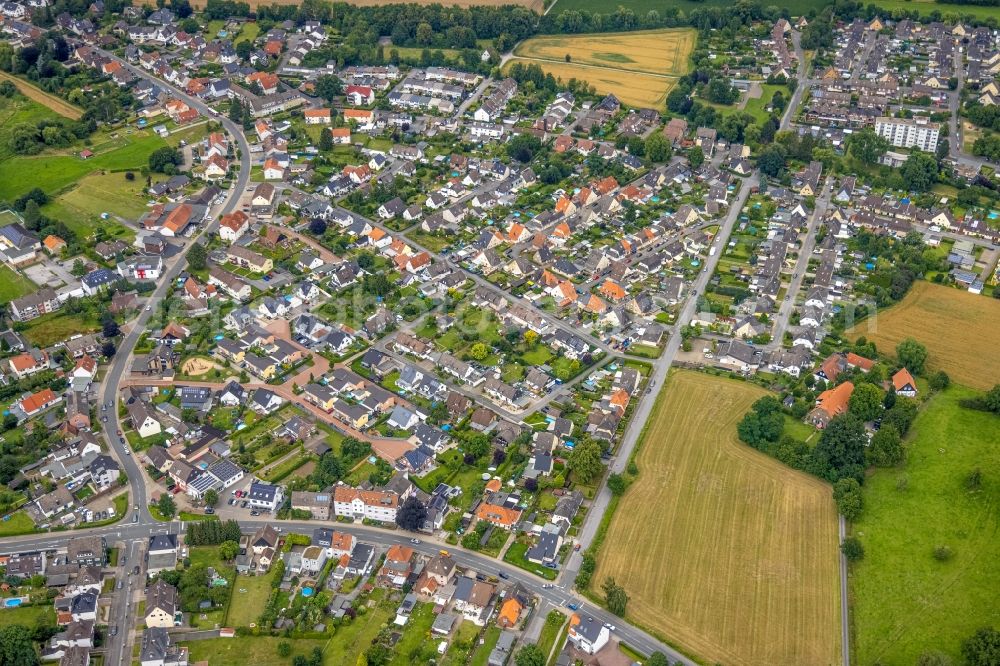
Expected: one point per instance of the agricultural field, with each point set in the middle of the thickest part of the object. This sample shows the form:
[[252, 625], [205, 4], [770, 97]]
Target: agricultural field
[[906, 601], [650, 51], [761, 585], [36, 94], [642, 7], [639, 67], [960, 330], [632, 88]]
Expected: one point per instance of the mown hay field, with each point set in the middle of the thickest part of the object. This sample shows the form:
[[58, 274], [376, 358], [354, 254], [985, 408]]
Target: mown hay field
[[960, 330], [632, 88], [34, 93], [651, 51], [722, 549]]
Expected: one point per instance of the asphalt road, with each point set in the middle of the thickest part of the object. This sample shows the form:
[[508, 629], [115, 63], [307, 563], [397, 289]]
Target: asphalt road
[[122, 361], [808, 243]]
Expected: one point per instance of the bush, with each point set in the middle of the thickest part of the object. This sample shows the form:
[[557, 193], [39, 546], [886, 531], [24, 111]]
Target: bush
[[943, 553], [852, 549]]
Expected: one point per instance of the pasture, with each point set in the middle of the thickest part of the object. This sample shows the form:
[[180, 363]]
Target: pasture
[[721, 548], [36, 94], [960, 330], [639, 67], [905, 601]]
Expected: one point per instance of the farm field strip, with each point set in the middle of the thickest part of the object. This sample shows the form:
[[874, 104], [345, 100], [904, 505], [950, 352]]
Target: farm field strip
[[960, 330], [721, 548], [34, 93]]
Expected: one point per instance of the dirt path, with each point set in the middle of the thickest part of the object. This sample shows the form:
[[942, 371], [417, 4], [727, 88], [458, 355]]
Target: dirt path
[[36, 94]]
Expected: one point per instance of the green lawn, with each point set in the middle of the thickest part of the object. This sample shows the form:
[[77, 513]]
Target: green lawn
[[905, 601], [799, 430], [247, 606], [248, 33], [255, 650], [482, 653], [27, 615], [757, 107], [100, 193], [416, 637], [355, 636], [13, 284], [550, 631], [49, 329]]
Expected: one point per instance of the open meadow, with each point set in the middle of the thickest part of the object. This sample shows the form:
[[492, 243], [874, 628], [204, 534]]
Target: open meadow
[[960, 330], [721, 548], [640, 68], [36, 94], [904, 600]]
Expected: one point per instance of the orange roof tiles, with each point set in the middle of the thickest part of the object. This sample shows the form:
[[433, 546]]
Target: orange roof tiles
[[902, 379], [498, 515], [178, 218], [37, 401], [861, 362], [834, 401], [399, 553], [613, 290]]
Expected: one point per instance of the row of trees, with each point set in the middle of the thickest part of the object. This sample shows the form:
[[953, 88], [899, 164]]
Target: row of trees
[[211, 532]]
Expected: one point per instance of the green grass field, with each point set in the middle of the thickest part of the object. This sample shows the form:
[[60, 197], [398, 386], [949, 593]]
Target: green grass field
[[52, 328], [55, 171], [13, 285], [256, 650], [246, 607], [641, 7], [16, 110], [27, 615], [905, 601], [19, 523]]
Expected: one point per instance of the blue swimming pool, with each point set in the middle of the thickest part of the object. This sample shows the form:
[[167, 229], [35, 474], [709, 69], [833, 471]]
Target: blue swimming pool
[[12, 603], [307, 591]]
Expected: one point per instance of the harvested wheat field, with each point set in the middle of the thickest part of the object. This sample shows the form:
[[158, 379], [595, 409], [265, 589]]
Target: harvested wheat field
[[960, 330], [651, 51], [723, 550], [36, 94], [640, 68], [633, 88]]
